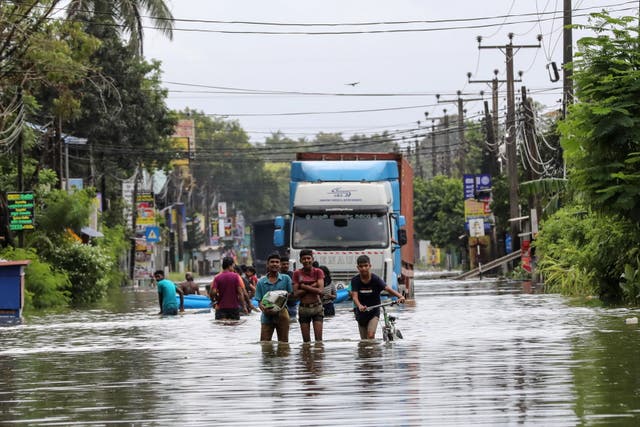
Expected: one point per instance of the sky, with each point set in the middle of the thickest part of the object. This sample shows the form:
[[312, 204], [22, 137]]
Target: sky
[[225, 60]]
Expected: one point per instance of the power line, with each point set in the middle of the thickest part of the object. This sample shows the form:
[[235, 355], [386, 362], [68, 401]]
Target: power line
[[373, 31]]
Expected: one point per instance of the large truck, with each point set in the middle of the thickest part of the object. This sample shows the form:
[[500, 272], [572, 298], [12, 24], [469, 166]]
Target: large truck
[[343, 205], [262, 242]]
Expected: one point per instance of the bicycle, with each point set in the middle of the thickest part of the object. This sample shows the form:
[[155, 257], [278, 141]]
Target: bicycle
[[389, 329]]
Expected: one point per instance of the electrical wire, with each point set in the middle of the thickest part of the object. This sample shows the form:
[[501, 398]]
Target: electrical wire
[[375, 31]]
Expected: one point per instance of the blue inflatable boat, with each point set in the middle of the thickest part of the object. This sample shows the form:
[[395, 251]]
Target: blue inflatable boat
[[342, 295], [195, 301]]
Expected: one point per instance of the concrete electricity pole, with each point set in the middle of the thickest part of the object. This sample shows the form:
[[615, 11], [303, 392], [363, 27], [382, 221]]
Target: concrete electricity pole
[[512, 155], [494, 83], [459, 101], [434, 155], [567, 58]]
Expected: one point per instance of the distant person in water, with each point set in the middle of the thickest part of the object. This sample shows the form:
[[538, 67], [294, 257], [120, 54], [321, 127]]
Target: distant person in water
[[189, 287], [167, 291], [329, 292], [227, 290], [292, 302]]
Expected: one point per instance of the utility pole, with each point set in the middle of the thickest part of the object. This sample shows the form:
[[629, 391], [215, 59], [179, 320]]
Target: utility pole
[[567, 58], [492, 147], [434, 156], [494, 83], [447, 158], [461, 111], [530, 131], [417, 150], [512, 155], [418, 164], [20, 143]]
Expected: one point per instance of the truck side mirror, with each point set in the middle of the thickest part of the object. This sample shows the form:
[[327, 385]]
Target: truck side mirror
[[402, 237], [278, 238], [278, 233]]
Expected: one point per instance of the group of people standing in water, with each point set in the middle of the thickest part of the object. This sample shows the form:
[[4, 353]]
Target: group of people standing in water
[[232, 291]]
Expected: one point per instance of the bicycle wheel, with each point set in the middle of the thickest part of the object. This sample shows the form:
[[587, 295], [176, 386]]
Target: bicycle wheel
[[387, 335], [398, 333]]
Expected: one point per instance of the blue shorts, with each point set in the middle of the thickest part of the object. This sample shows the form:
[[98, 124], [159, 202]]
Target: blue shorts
[[282, 316]]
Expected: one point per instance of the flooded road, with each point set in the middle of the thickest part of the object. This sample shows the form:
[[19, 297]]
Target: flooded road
[[474, 353]]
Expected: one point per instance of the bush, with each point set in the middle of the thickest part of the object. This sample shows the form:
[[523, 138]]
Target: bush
[[88, 268], [582, 252], [44, 287], [115, 243]]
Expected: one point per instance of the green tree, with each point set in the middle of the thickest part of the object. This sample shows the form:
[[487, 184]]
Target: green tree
[[228, 168], [601, 135], [125, 14], [439, 210], [127, 121]]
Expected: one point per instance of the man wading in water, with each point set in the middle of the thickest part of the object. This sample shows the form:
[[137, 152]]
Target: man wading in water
[[365, 292], [308, 283], [273, 320]]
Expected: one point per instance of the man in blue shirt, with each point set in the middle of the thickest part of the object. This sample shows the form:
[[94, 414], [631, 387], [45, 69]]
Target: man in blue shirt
[[167, 295], [273, 320]]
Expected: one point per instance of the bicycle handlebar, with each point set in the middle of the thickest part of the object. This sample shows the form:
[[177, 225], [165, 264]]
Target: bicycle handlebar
[[394, 302]]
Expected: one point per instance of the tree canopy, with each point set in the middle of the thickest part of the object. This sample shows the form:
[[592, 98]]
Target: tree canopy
[[439, 210], [601, 135]]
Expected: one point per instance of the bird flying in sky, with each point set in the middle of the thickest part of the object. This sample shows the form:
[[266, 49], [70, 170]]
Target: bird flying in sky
[[352, 84]]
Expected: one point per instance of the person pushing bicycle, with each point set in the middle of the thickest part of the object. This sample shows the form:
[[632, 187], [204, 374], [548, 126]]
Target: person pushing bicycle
[[365, 292]]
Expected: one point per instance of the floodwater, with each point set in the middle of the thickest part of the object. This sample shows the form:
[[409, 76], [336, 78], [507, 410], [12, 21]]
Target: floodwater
[[474, 354]]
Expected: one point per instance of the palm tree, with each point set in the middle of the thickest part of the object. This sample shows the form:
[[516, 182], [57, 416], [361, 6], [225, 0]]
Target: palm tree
[[127, 14]]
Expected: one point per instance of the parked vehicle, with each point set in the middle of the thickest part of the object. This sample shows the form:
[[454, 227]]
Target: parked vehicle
[[343, 205], [262, 243]]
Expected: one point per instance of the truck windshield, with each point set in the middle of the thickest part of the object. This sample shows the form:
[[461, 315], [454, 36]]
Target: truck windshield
[[340, 231]]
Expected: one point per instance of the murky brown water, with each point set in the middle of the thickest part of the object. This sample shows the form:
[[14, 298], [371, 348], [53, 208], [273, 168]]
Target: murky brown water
[[474, 353]]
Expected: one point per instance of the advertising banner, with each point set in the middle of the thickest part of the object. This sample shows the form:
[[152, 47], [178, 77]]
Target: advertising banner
[[21, 207]]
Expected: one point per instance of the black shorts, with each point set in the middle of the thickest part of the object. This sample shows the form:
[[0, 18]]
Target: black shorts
[[363, 317], [228, 314]]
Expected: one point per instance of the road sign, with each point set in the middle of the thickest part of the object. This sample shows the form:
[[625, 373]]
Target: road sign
[[21, 207], [152, 234]]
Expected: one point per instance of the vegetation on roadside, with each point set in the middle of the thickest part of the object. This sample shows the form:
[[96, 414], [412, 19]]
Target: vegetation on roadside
[[592, 245]]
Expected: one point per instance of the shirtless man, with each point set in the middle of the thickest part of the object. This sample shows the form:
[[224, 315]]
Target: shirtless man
[[308, 284], [189, 287]]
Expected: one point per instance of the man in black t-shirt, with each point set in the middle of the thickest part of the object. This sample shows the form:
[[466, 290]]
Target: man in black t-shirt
[[365, 292]]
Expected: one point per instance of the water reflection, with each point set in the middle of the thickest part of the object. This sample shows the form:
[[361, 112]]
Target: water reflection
[[312, 356], [474, 353], [272, 350], [369, 362]]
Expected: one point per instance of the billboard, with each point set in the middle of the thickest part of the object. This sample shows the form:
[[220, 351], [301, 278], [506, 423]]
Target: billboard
[[184, 141]]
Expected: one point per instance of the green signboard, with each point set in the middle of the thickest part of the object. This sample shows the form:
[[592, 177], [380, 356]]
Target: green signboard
[[20, 211]]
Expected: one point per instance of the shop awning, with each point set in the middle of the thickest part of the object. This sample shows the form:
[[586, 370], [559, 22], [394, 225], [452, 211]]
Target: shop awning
[[91, 232]]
